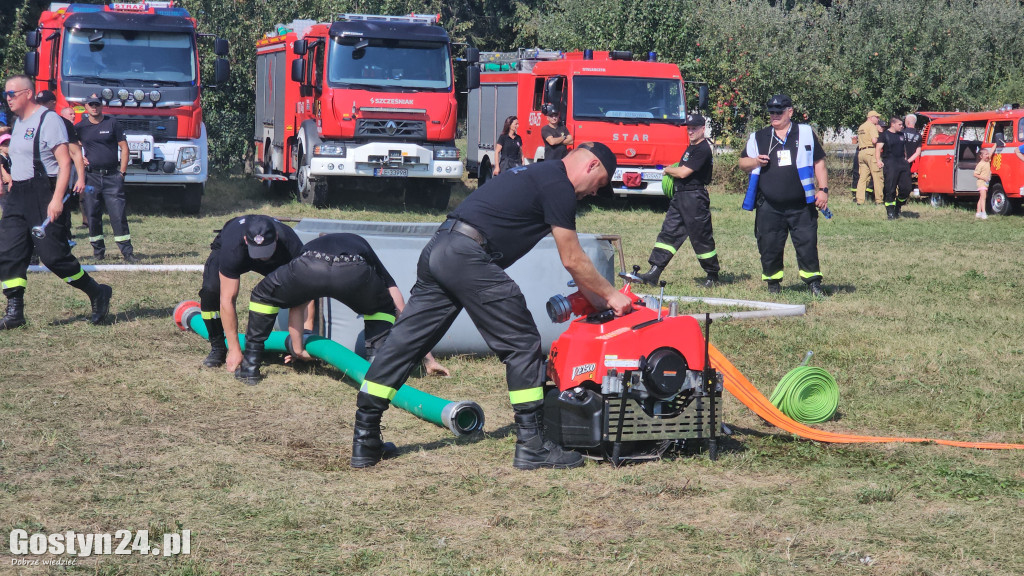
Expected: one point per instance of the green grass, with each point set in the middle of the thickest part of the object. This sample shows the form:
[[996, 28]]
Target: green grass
[[116, 427]]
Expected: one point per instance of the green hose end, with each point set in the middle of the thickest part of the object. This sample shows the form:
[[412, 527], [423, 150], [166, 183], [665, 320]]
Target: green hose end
[[807, 394]]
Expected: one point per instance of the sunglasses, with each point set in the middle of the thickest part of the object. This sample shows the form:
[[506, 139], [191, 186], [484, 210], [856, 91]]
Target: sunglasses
[[12, 93]]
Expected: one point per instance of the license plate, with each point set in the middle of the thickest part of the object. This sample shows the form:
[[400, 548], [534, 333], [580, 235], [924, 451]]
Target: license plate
[[393, 172], [139, 146]]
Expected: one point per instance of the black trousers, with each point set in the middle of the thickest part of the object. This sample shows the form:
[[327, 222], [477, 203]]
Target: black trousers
[[689, 214], [108, 191], [455, 272], [897, 174], [26, 207], [354, 284], [209, 298], [771, 227]]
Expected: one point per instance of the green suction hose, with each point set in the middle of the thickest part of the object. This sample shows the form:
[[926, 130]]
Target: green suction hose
[[807, 394]]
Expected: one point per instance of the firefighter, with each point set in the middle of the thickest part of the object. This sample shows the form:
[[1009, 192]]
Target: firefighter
[[247, 243], [463, 266], [556, 136], [912, 140], [784, 159], [896, 167], [40, 169], [870, 165], [339, 266], [48, 100], [689, 212], [102, 137]]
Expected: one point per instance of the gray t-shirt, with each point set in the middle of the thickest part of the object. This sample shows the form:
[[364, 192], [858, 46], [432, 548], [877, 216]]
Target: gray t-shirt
[[51, 135]]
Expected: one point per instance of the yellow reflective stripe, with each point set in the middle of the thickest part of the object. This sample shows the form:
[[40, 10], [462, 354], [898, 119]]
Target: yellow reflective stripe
[[776, 276], [524, 396], [380, 316], [809, 274], [890, 203], [262, 308], [14, 283], [707, 255], [95, 238], [666, 247], [70, 279], [124, 238], [374, 389], [210, 315]]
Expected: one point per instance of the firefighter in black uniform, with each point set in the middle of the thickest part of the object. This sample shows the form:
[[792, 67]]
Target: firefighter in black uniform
[[789, 158], [463, 266], [912, 144], [339, 266], [40, 168], [689, 213], [247, 243], [896, 168]]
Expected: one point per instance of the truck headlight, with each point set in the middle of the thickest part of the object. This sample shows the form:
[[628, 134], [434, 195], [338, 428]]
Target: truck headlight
[[446, 153], [337, 150], [187, 156]]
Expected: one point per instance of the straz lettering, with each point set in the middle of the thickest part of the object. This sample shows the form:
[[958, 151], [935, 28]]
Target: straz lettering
[[624, 137], [584, 369]]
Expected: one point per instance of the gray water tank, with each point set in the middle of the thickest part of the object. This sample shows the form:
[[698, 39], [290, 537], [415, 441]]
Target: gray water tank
[[539, 274]]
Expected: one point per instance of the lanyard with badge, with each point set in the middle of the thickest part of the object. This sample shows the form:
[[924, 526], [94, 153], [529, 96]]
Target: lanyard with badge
[[785, 157]]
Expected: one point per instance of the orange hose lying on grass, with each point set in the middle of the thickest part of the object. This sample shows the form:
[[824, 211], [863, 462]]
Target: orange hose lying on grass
[[737, 384]]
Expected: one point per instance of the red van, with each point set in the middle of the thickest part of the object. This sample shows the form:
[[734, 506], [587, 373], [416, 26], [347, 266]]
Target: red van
[[949, 154]]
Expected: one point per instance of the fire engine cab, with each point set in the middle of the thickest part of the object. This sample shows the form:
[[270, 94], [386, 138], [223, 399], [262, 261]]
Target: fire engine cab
[[637, 108], [362, 102], [949, 153], [143, 60]]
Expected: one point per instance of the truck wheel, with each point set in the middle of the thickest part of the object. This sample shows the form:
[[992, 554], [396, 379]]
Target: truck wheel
[[433, 196], [998, 202], [311, 190], [192, 198], [937, 200]]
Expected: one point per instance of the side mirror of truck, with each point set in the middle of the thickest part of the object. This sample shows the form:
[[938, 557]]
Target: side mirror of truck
[[32, 63], [220, 47], [33, 39], [702, 96], [221, 71], [473, 77], [298, 70], [553, 89], [472, 54], [299, 48]]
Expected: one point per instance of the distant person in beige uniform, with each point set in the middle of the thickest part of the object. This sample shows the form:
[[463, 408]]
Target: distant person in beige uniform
[[869, 158]]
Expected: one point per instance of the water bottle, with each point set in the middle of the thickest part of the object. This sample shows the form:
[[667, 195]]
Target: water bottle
[[826, 213]]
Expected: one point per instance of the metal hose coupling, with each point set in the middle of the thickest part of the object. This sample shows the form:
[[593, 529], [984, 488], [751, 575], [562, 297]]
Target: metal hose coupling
[[561, 308], [463, 417]]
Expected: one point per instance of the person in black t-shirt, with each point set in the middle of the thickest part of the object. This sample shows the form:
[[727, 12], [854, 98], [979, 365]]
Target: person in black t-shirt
[[556, 137], [339, 266], [463, 267], [912, 140], [689, 213], [509, 147], [253, 243], [48, 100], [786, 201], [102, 137], [896, 168]]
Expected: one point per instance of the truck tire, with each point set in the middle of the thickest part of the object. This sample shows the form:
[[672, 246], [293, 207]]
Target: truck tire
[[310, 190], [937, 200], [192, 198], [998, 202]]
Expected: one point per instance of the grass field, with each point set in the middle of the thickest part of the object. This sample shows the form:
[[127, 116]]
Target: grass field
[[115, 427]]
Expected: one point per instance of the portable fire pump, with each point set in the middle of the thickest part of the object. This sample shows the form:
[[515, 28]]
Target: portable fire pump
[[630, 387]]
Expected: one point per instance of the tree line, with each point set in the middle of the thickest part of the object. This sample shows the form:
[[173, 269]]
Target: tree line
[[837, 59]]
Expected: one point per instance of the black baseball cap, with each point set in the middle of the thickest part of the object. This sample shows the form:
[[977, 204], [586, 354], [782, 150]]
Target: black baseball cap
[[45, 97], [695, 120], [260, 236], [779, 102], [94, 98], [607, 158]]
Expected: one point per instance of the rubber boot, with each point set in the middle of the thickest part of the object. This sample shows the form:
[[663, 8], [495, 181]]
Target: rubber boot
[[218, 348], [533, 451], [368, 446], [100, 302], [890, 212], [652, 276], [15, 315], [249, 370]]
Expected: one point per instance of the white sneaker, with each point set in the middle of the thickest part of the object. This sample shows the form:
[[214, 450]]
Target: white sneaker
[[981, 216]]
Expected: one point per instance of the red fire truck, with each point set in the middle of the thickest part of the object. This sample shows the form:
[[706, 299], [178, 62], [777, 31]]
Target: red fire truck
[[364, 102], [949, 153], [143, 60], [635, 107]]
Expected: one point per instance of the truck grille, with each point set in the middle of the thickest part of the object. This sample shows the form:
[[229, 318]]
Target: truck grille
[[163, 128], [373, 128]]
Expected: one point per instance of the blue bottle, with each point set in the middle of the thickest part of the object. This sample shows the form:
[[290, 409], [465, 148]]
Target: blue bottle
[[826, 213]]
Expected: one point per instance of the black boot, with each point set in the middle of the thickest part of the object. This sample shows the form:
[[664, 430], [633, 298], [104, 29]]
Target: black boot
[[897, 209], [816, 290], [711, 281], [100, 303], [15, 315], [533, 452], [249, 370], [368, 447], [890, 212], [651, 276], [218, 348]]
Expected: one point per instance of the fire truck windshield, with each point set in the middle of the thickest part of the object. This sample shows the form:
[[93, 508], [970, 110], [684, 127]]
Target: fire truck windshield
[[628, 100], [389, 64], [125, 55]]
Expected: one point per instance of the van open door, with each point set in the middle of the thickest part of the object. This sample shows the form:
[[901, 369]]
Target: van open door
[[968, 149], [935, 166]]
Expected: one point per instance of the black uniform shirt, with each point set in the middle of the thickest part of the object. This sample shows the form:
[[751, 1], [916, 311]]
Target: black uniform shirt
[[558, 151], [512, 148], [234, 255], [353, 245], [99, 141], [780, 185], [911, 141], [72, 131], [518, 208], [893, 148], [697, 158]]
